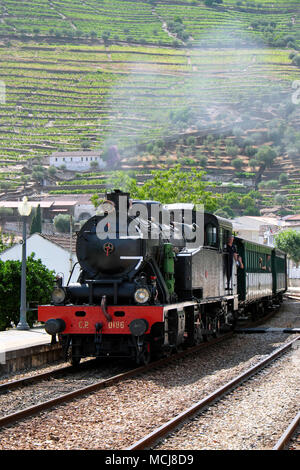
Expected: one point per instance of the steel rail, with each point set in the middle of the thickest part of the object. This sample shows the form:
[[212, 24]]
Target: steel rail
[[6, 386], [159, 433], [288, 434], [27, 412], [292, 295]]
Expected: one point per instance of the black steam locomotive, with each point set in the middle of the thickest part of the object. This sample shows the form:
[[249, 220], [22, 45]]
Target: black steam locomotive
[[155, 278]]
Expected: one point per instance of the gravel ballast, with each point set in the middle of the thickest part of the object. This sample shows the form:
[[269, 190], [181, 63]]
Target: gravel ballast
[[116, 417], [252, 417]]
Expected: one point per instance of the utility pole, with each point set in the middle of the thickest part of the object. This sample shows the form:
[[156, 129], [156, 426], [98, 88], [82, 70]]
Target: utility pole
[[71, 235], [24, 210]]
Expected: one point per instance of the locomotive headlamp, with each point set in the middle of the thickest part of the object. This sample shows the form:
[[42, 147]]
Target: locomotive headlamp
[[106, 206], [141, 295], [58, 295]]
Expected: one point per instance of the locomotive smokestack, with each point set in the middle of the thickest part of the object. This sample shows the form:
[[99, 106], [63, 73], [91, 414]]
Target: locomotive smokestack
[[119, 198]]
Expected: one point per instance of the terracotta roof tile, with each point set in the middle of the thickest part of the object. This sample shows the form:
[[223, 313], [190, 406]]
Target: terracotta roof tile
[[62, 240]]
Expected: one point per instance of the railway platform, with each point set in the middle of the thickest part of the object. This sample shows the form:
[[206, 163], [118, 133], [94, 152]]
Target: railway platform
[[23, 349]]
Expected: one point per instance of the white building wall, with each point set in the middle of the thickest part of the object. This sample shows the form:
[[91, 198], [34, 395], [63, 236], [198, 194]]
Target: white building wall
[[251, 235], [76, 163], [53, 256], [84, 209]]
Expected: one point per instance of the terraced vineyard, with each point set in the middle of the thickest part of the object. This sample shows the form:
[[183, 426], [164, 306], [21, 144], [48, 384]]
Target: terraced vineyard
[[117, 72]]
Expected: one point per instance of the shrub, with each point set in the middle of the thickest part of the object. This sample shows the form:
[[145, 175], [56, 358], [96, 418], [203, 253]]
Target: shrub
[[271, 184], [252, 211], [283, 178], [52, 171], [94, 164], [62, 223], [85, 144], [5, 211], [232, 150], [39, 285], [202, 159], [280, 199], [250, 151], [191, 141], [225, 212], [253, 163], [266, 155], [237, 163], [296, 60]]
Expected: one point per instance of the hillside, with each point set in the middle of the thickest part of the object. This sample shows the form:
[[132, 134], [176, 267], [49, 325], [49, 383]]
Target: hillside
[[166, 81]]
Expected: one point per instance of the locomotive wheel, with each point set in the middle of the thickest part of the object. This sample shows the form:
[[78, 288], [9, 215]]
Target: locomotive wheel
[[75, 361], [208, 335], [216, 327], [144, 358]]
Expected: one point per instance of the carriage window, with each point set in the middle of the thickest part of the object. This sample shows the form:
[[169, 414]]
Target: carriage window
[[211, 235]]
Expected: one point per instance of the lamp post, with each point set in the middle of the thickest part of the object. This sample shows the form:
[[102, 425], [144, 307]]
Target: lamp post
[[24, 210]]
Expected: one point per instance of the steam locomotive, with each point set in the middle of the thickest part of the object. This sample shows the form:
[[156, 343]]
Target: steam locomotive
[[157, 278]]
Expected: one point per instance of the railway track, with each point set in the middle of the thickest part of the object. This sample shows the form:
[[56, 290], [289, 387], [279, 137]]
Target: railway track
[[285, 439], [160, 433], [65, 370], [292, 296], [13, 384], [104, 383]]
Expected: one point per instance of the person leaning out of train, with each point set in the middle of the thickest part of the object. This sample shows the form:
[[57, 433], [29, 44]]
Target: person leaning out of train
[[231, 249]]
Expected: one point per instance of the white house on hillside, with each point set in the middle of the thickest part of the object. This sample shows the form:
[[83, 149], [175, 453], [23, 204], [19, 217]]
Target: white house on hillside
[[76, 161], [53, 250]]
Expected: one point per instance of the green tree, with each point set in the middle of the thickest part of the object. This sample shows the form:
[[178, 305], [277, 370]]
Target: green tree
[[38, 176], [253, 211], [52, 171], [121, 180], [283, 178], [253, 163], [280, 199], [232, 200], [36, 224], [39, 286], [247, 201], [94, 164], [289, 241], [6, 240], [86, 144], [266, 155], [62, 223], [168, 186], [225, 212], [176, 185], [237, 163]]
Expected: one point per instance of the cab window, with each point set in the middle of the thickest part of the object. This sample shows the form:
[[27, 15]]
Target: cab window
[[211, 235]]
